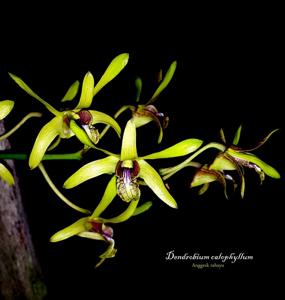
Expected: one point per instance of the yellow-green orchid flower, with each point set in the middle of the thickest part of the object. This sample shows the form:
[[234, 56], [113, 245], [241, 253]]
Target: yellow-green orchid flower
[[94, 227], [6, 107], [128, 168], [77, 121], [230, 158], [144, 113]]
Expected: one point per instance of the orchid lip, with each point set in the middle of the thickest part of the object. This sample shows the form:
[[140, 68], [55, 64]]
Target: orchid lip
[[127, 185]]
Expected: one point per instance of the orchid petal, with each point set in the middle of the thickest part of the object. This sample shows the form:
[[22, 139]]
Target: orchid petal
[[115, 67], [54, 144], [6, 175], [203, 189], [142, 208], [164, 83], [5, 108], [86, 91], [129, 146], [222, 135], [262, 142], [141, 120], [145, 118], [222, 163], [154, 181], [91, 170], [124, 215], [202, 177], [138, 84], [79, 226], [182, 148], [91, 235], [99, 117], [45, 137], [80, 134], [71, 92], [237, 135], [268, 170], [109, 253], [28, 90], [109, 194]]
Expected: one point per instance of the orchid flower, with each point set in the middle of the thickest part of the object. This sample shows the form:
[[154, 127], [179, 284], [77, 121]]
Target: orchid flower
[[230, 158], [79, 120], [94, 227], [236, 158], [128, 168], [144, 113]]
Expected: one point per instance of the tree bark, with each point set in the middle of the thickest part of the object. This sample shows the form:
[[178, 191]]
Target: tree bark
[[20, 275]]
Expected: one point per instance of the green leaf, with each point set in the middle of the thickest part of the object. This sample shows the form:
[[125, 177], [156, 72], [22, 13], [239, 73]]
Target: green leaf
[[79, 226], [6, 175], [109, 194], [124, 216], [5, 108], [115, 67], [99, 117], [182, 148], [166, 80], [142, 208], [268, 170], [28, 90], [45, 137], [154, 181], [237, 135], [87, 91], [129, 146], [80, 134], [71, 92], [91, 170]]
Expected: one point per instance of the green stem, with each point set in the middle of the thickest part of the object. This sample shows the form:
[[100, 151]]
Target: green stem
[[168, 172], [23, 156], [59, 194], [27, 117]]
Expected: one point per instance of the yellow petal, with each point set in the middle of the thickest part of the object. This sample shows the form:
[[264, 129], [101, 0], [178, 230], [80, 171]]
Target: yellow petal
[[72, 92], [79, 226], [99, 117], [5, 108], [182, 148], [129, 144], [154, 181], [87, 91], [91, 170], [109, 194], [6, 175], [115, 67], [45, 137]]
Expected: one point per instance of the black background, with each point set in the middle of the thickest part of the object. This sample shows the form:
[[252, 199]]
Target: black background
[[230, 72]]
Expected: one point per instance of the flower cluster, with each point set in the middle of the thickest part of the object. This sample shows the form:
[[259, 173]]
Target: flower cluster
[[129, 172]]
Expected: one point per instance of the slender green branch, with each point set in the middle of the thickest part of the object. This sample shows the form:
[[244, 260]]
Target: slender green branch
[[59, 194], [27, 117], [168, 172], [23, 156]]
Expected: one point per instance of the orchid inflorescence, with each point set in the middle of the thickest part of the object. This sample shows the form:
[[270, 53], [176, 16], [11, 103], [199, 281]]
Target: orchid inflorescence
[[128, 171]]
